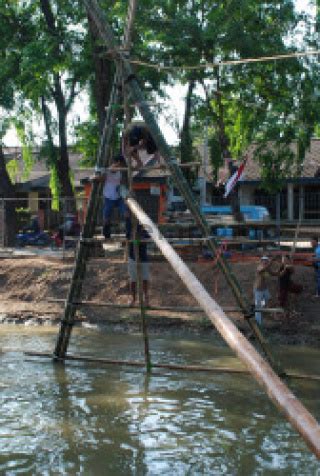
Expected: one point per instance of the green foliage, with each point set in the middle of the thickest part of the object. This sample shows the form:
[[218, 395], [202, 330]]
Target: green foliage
[[271, 102], [13, 170], [215, 155], [26, 149], [87, 142]]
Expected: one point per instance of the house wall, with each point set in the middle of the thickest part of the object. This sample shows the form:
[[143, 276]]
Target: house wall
[[292, 201], [33, 202], [246, 194]]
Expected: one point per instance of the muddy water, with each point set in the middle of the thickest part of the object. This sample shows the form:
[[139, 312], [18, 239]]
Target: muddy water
[[91, 420]]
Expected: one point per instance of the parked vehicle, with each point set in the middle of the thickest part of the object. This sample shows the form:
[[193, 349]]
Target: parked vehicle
[[250, 212], [32, 238], [31, 235]]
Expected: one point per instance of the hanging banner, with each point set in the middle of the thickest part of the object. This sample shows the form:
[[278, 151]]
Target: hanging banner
[[234, 179]]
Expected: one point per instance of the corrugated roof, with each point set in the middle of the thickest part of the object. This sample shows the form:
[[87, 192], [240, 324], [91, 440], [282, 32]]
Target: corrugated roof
[[39, 176], [309, 169]]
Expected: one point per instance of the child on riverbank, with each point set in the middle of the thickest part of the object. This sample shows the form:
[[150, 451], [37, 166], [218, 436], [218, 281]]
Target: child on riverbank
[[286, 284]]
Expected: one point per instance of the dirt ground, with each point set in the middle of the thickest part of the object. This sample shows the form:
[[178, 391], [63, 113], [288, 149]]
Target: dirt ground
[[28, 286]]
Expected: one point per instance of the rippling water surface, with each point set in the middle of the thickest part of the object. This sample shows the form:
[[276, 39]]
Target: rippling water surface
[[85, 419]]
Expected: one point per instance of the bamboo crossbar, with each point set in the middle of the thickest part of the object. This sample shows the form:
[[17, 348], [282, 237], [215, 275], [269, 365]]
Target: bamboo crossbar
[[191, 240], [135, 363], [144, 168], [160, 308]]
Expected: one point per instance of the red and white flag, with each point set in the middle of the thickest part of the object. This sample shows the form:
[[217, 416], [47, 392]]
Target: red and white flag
[[234, 179]]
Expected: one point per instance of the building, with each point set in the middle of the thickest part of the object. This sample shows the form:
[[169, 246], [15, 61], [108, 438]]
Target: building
[[32, 187], [299, 196]]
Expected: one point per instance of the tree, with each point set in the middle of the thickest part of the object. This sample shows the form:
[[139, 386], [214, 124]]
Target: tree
[[266, 101], [50, 73]]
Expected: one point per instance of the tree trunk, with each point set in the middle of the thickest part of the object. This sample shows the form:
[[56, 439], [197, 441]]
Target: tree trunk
[[226, 154], [63, 168], [62, 164], [185, 136], [103, 80], [8, 218]]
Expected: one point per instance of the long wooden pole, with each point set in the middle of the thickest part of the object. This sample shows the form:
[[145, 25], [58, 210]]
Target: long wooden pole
[[132, 9], [79, 269], [190, 309], [279, 393]]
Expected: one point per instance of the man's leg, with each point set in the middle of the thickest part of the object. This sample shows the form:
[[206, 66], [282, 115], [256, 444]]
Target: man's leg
[[283, 297], [123, 209], [124, 214], [107, 210], [258, 304]]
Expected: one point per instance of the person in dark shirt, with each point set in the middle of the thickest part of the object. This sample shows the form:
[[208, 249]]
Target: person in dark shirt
[[139, 147], [132, 263], [286, 285]]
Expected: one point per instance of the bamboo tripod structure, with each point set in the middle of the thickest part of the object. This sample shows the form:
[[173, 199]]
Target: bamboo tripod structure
[[180, 182], [262, 372]]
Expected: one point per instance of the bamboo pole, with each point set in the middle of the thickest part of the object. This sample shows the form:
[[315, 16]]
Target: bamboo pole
[[82, 254], [132, 9], [127, 43], [190, 309], [139, 283], [157, 365], [278, 392], [145, 167]]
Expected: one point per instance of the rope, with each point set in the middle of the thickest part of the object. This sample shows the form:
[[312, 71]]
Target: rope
[[260, 59]]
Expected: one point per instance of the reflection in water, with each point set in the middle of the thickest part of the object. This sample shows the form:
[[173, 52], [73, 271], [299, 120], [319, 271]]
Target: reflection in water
[[82, 419]]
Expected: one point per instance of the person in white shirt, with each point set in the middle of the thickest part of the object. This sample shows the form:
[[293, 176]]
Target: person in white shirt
[[111, 193]]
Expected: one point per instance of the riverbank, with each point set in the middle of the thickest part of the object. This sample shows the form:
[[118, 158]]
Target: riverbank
[[29, 286]]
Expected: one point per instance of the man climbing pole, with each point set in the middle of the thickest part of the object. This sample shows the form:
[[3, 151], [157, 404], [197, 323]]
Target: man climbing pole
[[139, 147]]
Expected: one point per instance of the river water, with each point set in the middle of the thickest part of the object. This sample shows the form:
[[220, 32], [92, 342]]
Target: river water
[[89, 419]]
